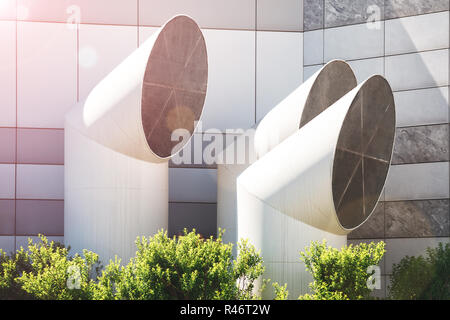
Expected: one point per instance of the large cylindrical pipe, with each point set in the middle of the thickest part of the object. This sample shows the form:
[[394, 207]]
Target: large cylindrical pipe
[[319, 92], [119, 140], [322, 182]]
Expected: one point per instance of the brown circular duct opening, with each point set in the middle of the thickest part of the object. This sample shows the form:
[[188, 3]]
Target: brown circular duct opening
[[363, 153], [334, 81], [175, 84]]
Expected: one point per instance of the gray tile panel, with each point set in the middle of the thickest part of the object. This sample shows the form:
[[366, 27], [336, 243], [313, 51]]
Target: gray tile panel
[[422, 144], [40, 217], [313, 14], [7, 224], [199, 216], [373, 228], [403, 8], [347, 12], [410, 219]]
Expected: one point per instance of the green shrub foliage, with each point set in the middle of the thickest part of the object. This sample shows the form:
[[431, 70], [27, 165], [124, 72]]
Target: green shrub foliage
[[422, 278], [340, 274], [10, 269], [45, 271], [185, 268]]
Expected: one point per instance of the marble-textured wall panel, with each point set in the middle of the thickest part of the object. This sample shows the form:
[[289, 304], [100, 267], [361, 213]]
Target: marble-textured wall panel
[[313, 14], [408, 219], [422, 144], [403, 8], [372, 228], [346, 12]]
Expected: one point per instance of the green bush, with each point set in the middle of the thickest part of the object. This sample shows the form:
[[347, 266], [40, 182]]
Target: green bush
[[340, 274], [54, 275], [187, 267], [10, 269], [422, 278], [44, 271], [280, 292]]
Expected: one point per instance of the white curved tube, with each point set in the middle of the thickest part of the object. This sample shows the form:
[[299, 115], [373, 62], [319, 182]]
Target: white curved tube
[[320, 91], [320, 183], [119, 141]]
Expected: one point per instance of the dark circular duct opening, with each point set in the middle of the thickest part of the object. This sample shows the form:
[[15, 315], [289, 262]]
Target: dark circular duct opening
[[175, 83], [363, 153], [334, 81]]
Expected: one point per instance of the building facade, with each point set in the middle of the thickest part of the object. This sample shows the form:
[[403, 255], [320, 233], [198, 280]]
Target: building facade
[[53, 52]]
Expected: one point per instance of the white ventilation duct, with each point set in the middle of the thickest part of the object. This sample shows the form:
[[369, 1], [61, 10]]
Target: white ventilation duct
[[320, 91], [320, 183], [118, 141]]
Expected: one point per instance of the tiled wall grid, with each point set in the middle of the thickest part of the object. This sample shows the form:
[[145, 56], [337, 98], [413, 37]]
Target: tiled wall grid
[[407, 41], [47, 64], [259, 51]]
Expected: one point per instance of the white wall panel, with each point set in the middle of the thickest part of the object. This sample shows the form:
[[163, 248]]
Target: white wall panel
[[40, 182], [279, 68], [7, 73], [313, 47], [8, 9], [354, 42], [310, 70], [418, 33], [145, 33], [366, 68], [418, 181], [230, 14], [422, 107], [47, 73], [97, 11], [418, 70], [230, 99], [280, 15], [102, 48]]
